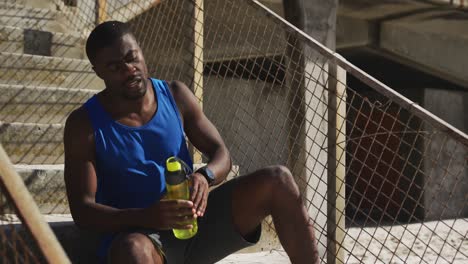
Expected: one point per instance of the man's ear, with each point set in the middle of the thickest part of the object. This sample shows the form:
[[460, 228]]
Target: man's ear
[[97, 73]]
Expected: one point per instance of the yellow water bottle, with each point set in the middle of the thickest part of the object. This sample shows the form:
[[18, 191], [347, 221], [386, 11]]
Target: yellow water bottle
[[177, 187]]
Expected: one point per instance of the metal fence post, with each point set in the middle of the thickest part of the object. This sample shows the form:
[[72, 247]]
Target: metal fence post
[[336, 164], [29, 212], [101, 11], [198, 12]]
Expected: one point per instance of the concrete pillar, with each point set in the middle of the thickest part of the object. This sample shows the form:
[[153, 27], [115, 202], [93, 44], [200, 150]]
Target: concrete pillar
[[317, 18], [444, 159]]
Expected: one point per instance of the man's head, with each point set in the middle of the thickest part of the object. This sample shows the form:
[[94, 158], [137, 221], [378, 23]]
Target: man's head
[[117, 58]]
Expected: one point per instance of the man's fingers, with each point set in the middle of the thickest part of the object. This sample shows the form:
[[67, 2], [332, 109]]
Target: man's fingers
[[202, 207], [175, 204], [194, 191], [198, 196], [181, 221]]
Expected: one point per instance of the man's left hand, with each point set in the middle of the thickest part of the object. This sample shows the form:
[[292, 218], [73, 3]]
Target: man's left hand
[[199, 194]]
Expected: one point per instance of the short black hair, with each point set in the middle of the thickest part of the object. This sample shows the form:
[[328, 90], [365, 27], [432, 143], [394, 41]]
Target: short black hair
[[104, 35]]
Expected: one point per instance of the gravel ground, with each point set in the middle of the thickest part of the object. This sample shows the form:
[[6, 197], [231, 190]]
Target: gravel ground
[[430, 242]]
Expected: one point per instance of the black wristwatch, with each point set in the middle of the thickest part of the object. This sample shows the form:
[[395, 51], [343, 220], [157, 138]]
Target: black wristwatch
[[207, 173]]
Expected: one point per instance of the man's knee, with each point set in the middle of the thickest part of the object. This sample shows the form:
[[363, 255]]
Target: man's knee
[[131, 246], [282, 179]]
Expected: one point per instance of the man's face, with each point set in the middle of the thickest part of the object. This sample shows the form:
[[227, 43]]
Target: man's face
[[123, 68]]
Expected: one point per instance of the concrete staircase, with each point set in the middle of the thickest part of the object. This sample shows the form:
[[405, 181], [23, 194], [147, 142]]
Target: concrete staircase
[[44, 76], [424, 35]]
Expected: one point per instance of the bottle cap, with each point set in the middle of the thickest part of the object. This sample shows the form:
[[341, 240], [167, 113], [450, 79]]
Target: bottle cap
[[173, 164]]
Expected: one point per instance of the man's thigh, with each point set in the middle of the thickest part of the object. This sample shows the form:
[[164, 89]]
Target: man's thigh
[[217, 236]]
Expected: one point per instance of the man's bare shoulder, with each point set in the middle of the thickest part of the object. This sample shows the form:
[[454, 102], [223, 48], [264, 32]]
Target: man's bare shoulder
[[178, 89], [184, 97], [78, 125]]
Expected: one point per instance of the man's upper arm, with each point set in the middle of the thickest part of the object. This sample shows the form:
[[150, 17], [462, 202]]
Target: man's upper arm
[[80, 175], [201, 132]]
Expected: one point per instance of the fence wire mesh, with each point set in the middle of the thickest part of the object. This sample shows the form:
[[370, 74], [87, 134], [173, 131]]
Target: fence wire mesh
[[16, 243], [384, 181]]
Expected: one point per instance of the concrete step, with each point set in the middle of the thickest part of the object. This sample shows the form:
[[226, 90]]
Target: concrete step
[[127, 10], [9, 2], [22, 69], [35, 18], [435, 40], [253, 35], [44, 105], [46, 185], [33, 143], [35, 42], [45, 4], [420, 34], [80, 245]]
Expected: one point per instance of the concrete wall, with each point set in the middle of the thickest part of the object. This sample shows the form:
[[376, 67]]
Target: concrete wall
[[253, 120], [434, 174], [165, 39], [427, 35], [445, 158]]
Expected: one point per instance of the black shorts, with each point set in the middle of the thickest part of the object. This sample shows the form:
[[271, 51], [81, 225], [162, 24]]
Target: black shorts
[[216, 237]]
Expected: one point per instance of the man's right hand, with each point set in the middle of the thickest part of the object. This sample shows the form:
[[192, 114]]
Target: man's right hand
[[169, 214]]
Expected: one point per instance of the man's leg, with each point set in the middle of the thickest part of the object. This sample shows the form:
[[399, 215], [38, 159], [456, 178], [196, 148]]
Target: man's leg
[[133, 248], [272, 191]]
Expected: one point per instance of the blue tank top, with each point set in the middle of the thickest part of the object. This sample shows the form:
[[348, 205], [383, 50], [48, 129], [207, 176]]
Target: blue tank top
[[130, 161]]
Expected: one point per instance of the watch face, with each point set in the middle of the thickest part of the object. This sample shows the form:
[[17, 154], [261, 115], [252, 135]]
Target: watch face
[[209, 175]]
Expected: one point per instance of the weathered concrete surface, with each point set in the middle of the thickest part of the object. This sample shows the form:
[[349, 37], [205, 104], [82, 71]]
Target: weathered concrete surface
[[45, 105], [436, 40], [44, 4], [46, 185], [128, 9], [358, 21], [316, 18], [34, 70], [430, 37], [35, 18], [428, 242], [81, 245], [229, 37], [33, 143], [168, 57], [252, 122], [277, 256], [446, 189], [62, 45]]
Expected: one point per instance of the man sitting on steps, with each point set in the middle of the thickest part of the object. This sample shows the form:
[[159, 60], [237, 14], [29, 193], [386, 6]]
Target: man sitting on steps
[[116, 146]]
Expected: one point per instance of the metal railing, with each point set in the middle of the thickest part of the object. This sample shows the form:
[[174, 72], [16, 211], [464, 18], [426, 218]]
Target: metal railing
[[383, 179]]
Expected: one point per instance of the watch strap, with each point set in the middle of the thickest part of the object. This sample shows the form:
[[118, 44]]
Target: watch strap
[[207, 173]]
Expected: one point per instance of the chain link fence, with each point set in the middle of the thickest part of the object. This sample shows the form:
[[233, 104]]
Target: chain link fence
[[384, 180], [15, 244]]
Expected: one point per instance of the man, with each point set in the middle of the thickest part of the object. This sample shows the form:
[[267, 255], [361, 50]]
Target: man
[[116, 146]]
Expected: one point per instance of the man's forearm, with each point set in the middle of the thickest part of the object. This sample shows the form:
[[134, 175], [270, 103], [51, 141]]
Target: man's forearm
[[108, 219], [220, 164]]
